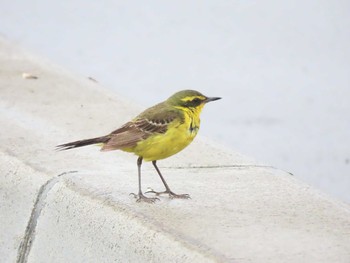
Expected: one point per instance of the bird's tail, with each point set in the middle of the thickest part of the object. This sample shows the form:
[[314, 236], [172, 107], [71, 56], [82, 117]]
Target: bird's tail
[[81, 143]]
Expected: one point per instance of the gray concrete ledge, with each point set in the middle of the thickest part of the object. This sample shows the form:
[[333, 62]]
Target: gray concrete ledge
[[75, 206]]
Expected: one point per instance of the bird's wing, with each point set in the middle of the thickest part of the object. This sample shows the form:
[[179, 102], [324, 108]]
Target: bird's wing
[[140, 129]]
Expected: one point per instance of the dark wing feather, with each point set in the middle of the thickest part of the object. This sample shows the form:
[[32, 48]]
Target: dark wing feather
[[146, 124], [125, 137]]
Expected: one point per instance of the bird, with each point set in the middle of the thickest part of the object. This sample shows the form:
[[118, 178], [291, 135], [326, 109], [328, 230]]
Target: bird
[[155, 134]]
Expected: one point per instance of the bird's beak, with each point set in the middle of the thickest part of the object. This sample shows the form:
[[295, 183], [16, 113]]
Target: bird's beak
[[211, 99]]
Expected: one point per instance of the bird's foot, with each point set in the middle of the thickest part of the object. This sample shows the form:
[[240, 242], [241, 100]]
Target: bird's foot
[[171, 194], [141, 198]]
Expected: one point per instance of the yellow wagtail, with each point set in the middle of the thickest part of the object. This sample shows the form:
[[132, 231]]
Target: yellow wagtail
[[157, 133]]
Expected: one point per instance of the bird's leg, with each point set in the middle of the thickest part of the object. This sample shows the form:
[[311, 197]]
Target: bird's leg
[[140, 196], [167, 189]]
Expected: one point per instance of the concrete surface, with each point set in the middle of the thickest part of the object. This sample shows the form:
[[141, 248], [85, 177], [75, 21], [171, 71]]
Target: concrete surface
[[74, 206]]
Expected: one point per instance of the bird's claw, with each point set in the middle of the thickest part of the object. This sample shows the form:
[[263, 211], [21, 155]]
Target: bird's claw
[[141, 198], [171, 194]]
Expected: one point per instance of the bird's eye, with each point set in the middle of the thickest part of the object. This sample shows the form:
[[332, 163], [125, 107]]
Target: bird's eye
[[196, 101]]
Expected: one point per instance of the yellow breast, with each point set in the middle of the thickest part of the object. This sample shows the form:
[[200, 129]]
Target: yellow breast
[[176, 138]]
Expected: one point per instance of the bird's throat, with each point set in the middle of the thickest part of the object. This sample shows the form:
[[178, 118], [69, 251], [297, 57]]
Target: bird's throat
[[194, 122]]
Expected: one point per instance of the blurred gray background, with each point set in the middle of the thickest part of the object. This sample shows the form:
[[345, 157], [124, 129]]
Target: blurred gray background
[[282, 68]]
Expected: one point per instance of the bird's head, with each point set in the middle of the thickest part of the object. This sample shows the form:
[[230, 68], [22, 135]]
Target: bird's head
[[190, 100]]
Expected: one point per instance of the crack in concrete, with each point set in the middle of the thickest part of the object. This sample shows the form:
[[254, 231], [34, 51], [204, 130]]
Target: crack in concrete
[[219, 166], [26, 244], [239, 166]]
